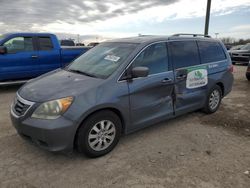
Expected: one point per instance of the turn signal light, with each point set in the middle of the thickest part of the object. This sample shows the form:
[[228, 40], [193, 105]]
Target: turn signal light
[[231, 68]]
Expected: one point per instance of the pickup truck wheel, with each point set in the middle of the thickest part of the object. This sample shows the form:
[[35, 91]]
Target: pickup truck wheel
[[99, 134], [213, 100]]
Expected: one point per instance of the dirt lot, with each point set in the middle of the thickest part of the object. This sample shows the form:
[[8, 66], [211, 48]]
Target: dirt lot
[[195, 150]]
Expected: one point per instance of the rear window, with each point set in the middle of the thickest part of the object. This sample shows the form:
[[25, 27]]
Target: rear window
[[45, 43], [184, 54], [67, 43], [211, 51]]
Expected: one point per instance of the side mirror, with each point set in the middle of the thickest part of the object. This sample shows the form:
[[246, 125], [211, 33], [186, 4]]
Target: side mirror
[[140, 72], [3, 50]]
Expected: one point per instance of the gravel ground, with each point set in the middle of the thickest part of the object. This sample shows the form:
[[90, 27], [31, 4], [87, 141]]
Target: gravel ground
[[195, 150]]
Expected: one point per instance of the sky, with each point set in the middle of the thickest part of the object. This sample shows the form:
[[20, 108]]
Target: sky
[[103, 19]]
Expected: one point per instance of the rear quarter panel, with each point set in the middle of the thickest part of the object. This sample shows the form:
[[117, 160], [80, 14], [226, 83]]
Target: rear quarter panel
[[218, 72]]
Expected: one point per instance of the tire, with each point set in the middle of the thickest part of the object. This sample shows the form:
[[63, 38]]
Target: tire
[[99, 134], [211, 107]]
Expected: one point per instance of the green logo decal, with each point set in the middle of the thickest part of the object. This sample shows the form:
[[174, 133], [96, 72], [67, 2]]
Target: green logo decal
[[198, 74]]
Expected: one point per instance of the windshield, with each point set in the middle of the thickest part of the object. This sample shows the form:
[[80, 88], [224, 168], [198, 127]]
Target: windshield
[[246, 47], [102, 60]]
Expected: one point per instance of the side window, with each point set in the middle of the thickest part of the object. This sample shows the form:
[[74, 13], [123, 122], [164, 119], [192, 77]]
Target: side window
[[211, 51], [154, 57], [19, 44], [45, 43], [184, 54]]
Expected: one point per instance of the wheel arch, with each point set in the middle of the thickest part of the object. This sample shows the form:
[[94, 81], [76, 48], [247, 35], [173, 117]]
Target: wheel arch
[[112, 109], [221, 85]]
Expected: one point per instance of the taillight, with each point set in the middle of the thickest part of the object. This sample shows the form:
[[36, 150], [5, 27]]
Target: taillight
[[231, 68]]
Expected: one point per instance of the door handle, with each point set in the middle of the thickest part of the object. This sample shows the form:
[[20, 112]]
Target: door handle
[[34, 56], [166, 81], [182, 76]]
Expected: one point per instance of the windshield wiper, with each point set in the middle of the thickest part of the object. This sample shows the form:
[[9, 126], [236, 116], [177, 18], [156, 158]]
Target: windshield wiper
[[81, 72]]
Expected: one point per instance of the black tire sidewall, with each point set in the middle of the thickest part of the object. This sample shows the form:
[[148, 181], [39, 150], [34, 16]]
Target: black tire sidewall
[[83, 132], [248, 77]]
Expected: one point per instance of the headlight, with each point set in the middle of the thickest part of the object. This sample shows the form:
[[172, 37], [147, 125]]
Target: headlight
[[52, 109]]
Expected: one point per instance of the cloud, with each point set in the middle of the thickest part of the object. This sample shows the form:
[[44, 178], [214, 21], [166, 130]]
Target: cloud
[[239, 31], [112, 18], [25, 14]]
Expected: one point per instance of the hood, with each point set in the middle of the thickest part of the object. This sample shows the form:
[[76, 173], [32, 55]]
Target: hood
[[57, 84], [240, 51]]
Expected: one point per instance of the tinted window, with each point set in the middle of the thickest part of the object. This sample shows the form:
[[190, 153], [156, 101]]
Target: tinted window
[[45, 43], [154, 57], [102, 60], [184, 53], [210, 51], [67, 43], [19, 44]]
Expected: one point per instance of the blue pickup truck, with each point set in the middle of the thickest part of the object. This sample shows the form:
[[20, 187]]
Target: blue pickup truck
[[28, 55]]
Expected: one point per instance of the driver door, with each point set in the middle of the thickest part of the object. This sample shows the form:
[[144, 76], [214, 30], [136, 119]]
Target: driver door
[[151, 97], [20, 61]]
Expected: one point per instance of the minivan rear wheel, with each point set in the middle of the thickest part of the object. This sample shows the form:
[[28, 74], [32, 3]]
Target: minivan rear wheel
[[213, 100], [99, 134]]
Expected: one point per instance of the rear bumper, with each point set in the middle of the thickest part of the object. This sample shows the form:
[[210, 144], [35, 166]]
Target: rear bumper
[[228, 83], [52, 135]]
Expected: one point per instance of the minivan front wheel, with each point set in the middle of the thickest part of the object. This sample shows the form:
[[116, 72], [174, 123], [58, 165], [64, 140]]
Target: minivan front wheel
[[99, 134], [213, 100]]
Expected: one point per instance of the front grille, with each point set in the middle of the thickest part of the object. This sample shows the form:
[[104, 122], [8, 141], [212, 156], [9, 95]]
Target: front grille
[[245, 55], [20, 108]]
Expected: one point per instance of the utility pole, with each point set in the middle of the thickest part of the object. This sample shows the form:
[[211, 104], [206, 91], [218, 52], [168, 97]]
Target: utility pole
[[207, 17], [78, 38], [216, 35]]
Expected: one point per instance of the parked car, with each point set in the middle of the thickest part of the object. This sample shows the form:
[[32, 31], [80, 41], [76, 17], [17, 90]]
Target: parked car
[[93, 44], [241, 56], [67, 42], [237, 47], [27, 55], [228, 46], [119, 87], [80, 44], [248, 72]]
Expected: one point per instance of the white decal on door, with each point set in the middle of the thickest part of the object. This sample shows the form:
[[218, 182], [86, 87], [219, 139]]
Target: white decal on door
[[197, 77]]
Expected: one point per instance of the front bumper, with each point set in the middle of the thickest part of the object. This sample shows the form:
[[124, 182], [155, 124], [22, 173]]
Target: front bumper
[[240, 59], [52, 135]]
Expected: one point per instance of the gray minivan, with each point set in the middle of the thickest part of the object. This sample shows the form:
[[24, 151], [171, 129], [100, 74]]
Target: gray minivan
[[121, 86]]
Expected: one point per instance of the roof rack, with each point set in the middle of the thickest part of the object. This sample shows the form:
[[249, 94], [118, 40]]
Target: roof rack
[[189, 34]]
